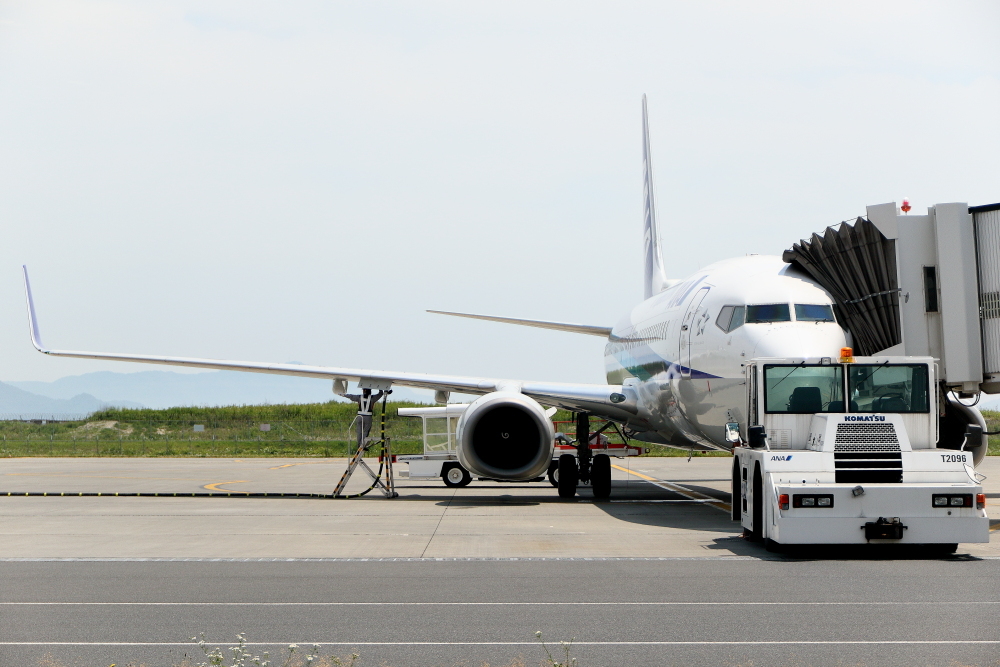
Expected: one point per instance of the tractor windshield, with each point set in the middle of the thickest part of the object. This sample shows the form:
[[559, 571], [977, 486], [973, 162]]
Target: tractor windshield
[[803, 389], [888, 388]]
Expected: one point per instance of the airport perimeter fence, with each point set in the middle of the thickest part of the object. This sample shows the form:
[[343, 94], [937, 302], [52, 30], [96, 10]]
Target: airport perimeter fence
[[207, 438]]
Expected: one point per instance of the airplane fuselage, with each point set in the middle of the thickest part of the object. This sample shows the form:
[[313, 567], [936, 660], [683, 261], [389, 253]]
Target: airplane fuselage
[[682, 350]]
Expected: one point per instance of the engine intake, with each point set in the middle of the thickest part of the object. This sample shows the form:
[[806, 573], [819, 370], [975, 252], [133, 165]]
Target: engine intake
[[505, 436], [952, 429]]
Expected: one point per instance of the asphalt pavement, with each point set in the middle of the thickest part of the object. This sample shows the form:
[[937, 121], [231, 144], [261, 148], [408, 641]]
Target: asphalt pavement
[[442, 576]]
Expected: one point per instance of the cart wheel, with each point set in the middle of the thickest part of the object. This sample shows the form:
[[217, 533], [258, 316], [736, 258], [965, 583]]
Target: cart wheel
[[569, 474], [554, 474], [945, 549], [600, 476], [455, 476]]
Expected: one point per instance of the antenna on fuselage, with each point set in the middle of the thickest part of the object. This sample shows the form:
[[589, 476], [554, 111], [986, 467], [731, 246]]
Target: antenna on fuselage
[[654, 277]]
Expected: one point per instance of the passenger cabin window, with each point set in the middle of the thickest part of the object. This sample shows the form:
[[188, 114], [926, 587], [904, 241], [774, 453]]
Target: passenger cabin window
[[730, 317], [810, 312], [771, 312], [885, 388], [802, 389]]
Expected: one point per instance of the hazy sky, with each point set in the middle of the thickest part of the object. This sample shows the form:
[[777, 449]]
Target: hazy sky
[[298, 181]]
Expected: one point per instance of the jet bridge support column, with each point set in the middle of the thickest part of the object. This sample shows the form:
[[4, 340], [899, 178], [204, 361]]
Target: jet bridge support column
[[583, 444]]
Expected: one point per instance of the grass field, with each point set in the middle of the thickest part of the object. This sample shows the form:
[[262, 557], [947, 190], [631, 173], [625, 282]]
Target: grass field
[[316, 429]]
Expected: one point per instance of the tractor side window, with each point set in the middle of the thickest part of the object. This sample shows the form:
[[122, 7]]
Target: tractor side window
[[770, 312], [885, 388], [802, 389]]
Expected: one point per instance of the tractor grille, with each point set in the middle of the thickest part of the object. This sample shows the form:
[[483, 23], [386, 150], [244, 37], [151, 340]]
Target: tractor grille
[[868, 467], [867, 453], [878, 437]]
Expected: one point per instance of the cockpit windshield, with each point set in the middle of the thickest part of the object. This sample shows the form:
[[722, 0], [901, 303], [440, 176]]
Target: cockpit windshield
[[768, 312], [813, 312], [885, 388], [803, 389]]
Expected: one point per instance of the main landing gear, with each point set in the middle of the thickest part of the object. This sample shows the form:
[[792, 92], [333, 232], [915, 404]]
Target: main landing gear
[[571, 470]]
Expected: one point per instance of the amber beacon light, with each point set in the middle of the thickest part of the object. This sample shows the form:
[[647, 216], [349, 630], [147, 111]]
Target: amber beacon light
[[846, 355]]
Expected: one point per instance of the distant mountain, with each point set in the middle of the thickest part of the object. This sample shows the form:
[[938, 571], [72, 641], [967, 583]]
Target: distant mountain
[[165, 389], [16, 403]]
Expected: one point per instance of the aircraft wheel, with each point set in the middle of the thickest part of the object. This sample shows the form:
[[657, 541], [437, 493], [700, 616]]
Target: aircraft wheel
[[554, 474], [456, 476], [568, 475], [600, 476]]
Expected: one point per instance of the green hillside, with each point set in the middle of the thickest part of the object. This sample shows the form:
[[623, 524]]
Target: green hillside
[[314, 429]]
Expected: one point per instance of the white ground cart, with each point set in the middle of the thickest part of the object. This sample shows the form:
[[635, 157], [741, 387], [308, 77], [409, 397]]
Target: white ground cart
[[440, 459], [845, 452]]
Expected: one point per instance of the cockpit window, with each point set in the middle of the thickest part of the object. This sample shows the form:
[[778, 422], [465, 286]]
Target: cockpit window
[[771, 312], [730, 317], [813, 312]]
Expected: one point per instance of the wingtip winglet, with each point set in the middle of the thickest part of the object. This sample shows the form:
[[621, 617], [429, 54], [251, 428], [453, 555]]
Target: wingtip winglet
[[36, 338]]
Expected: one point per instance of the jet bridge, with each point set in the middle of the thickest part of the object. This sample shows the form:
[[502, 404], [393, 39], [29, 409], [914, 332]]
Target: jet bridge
[[917, 285]]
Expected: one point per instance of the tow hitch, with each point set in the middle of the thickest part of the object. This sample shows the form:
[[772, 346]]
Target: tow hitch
[[884, 529]]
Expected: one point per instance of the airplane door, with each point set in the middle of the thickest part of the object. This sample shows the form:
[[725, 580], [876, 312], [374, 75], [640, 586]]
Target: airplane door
[[687, 331]]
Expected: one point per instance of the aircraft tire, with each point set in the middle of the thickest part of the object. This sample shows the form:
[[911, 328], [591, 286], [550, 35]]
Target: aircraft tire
[[600, 476], [554, 474], [456, 476], [569, 475]]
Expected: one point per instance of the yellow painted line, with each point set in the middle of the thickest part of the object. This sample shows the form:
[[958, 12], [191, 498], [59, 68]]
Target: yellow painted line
[[74, 475], [305, 463], [215, 486], [677, 488], [994, 525]]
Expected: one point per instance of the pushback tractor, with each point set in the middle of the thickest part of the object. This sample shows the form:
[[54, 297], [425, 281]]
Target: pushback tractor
[[845, 451]]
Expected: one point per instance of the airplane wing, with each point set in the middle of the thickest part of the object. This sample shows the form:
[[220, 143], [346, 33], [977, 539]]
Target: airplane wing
[[610, 401], [603, 332]]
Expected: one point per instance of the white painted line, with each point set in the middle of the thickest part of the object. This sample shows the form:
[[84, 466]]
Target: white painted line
[[690, 494], [400, 559], [496, 604], [301, 642]]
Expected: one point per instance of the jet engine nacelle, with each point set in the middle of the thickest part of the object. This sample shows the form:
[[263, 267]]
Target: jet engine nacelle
[[951, 429], [505, 435]]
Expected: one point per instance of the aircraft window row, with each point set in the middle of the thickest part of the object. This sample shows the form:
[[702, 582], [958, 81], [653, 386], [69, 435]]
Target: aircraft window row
[[733, 317]]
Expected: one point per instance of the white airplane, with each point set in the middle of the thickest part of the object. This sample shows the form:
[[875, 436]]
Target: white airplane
[[674, 363]]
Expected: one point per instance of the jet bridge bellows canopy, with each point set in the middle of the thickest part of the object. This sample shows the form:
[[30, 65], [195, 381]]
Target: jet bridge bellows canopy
[[857, 265], [917, 285]]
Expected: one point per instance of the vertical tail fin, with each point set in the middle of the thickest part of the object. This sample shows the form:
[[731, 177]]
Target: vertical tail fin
[[654, 278]]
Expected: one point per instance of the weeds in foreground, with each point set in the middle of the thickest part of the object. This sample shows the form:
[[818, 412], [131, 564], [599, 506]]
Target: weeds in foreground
[[567, 661], [241, 657]]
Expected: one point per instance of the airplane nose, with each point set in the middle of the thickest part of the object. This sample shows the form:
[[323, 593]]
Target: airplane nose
[[801, 340]]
